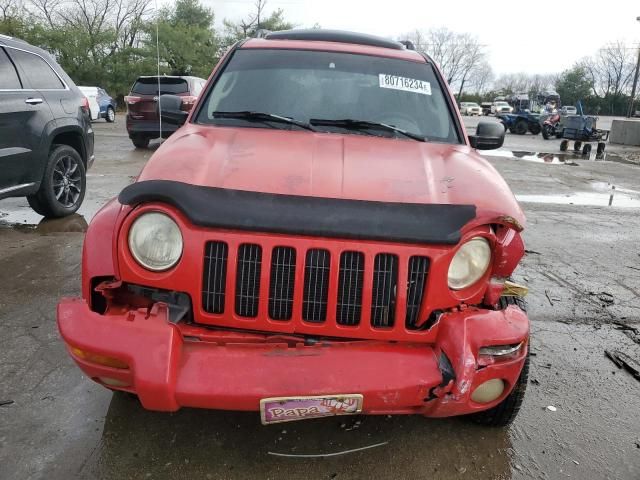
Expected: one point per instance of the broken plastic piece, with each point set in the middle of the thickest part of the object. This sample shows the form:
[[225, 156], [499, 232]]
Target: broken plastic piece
[[551, 408]]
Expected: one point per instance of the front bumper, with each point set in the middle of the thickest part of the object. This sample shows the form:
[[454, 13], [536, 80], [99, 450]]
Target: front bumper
[[173, 366]]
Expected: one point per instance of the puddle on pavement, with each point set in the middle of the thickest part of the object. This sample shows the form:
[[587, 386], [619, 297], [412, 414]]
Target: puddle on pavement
[[563, 158], [72, 223], [585, 198]]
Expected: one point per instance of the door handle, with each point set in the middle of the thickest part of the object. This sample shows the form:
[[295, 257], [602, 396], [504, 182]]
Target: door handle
[[33, 101]]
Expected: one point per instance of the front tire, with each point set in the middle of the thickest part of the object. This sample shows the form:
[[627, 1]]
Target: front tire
[[111, 115], [63, 185], [546, 132], [521, 127]]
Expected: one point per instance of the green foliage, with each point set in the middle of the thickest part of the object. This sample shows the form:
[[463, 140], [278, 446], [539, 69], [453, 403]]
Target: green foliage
[[188, 43], [109, 43], [573, 85], [235, 31]]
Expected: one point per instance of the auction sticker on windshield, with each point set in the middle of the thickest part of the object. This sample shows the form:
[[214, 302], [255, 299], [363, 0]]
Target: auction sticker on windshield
[[406, 84], [287, 409]]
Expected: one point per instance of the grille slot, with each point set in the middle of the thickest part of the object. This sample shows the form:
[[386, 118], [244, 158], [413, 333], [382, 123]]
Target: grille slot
[[350, 282], [248, 279], [383, 294], [316, 285], [214, 276], [418, 270], [283, 271]]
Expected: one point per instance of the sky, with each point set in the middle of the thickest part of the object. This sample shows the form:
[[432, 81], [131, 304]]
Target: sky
[[525, 36]]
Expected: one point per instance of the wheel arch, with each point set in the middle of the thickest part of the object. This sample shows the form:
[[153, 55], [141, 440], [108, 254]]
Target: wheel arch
[[72, 137]]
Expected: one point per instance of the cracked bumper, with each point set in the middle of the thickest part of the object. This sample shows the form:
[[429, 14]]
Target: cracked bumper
[[171, 368]]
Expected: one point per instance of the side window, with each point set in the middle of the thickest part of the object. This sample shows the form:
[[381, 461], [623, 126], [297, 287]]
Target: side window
[[9, 79], [39, 73]]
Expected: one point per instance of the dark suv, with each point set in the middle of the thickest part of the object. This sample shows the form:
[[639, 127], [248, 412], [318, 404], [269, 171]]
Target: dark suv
[[143, 123], [46, 140]]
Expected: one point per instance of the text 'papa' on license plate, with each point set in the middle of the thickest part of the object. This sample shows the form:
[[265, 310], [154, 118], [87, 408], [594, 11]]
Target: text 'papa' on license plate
[[403, 83], [287, 409]]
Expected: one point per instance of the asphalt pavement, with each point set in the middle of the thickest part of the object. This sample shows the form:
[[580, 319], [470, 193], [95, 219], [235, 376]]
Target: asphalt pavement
[[583, 269]]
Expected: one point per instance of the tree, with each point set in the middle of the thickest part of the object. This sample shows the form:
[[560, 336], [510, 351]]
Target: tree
[[573, 85], [254, 22], [457, 54], [187, 39]]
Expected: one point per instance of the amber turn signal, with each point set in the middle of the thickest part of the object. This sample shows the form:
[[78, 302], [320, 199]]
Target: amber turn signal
[[99, 359]]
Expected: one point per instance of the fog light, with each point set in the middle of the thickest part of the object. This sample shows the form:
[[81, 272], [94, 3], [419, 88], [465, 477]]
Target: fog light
[[99, 359], [113, 382], [488, 391]]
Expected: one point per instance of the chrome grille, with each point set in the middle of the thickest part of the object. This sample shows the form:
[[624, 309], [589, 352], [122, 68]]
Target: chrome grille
[[281, 283], [350, 283], [383, 294], [418, 269], [248, 279], [214, 277], [316, 285]]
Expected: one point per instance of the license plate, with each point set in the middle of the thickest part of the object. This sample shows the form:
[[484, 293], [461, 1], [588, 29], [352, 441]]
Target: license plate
[[288, 409]]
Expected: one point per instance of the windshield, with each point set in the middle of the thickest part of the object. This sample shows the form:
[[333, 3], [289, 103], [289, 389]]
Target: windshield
[[315, 85], [502, 104]]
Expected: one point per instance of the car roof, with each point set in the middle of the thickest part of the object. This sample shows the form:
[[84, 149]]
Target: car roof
[[334, 41]]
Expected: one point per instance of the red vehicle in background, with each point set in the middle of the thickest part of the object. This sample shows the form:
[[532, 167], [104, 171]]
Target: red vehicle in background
[[319, 237], [143, 122]]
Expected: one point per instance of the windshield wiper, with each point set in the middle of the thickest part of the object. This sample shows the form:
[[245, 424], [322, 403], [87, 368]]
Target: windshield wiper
[[262, 116], [350, 123]]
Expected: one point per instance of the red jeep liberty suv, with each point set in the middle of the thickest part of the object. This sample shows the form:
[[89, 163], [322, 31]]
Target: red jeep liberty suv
[[319, 237]]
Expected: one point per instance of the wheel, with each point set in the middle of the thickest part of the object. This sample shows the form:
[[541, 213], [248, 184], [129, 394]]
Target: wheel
[[506, 411], [564, 145], [546, 132], [577, 146], [535, 128], [111, 115], [521, 127], [140, 142], [63, 184], [601, 147], [586, 150]]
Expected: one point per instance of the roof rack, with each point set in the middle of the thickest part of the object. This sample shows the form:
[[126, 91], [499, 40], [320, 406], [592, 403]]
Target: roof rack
[[339, 36]]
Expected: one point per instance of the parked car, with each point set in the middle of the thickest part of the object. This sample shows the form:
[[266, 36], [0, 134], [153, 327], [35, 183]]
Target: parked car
[[92, 95], [46, 140], [500, 107], [143, 123], [285, 250], [470, 108], [101, 103], [486, 108], [568, 110]]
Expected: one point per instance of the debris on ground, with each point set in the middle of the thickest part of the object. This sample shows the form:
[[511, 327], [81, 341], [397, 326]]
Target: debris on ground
[[532, 252], [322, 455], [551, 408], [546, 292], [535, 381], [6, 402], [624, 361]]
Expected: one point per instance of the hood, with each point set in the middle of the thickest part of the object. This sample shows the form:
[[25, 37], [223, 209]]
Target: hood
[[332, 165]]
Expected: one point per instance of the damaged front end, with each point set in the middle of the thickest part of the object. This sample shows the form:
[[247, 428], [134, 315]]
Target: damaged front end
[[247, 314]]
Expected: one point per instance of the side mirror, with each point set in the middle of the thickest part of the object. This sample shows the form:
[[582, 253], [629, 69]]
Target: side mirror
[[170, 109], [489, 136]]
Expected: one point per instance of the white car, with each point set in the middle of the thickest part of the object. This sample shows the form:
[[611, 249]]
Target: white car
[[500, 107], [92, 95], [569, 110], [470, 108]]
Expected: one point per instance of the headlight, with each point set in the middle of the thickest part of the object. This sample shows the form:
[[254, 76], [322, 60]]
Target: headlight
[[469, 263], [155, 241]]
